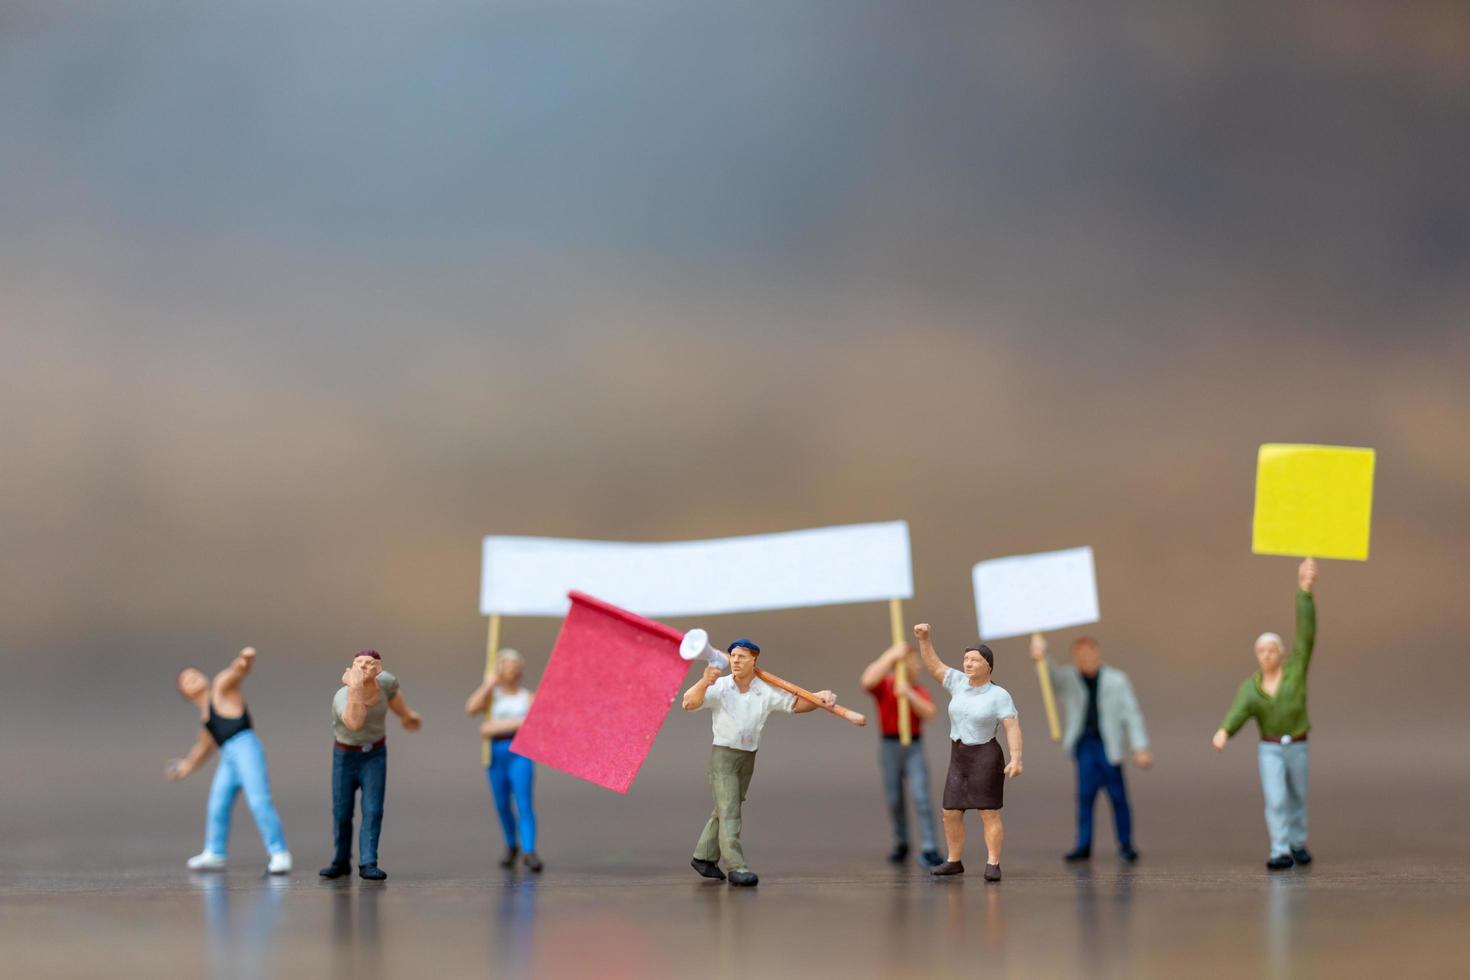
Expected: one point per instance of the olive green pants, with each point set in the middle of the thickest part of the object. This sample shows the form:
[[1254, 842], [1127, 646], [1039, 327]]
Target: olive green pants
[[729, 777]]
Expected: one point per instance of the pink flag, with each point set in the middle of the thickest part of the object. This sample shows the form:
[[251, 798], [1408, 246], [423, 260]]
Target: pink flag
[[607, 689]]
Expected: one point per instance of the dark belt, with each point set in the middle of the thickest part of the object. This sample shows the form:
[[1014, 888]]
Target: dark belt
[[344, 747], [895, 738], [501, 738], [1284, 740]]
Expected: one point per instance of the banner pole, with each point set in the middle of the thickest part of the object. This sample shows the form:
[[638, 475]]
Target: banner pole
[[1043, 673], [492, 647], [895, 625]]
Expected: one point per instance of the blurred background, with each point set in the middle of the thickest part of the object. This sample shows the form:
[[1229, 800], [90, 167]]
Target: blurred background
[[297, 303]]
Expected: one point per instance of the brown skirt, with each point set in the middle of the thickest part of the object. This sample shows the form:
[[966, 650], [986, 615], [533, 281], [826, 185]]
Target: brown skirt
[[977, 778]]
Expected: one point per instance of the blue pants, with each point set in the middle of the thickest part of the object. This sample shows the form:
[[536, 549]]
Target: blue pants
[[1095, 772], [905, 763], [353, 771], [1284, 784], [510, 776], [242, 766]]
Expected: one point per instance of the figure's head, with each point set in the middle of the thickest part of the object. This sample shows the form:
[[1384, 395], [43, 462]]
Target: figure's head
[[1086, 656], [370, 661], [979, 663], [510, 665], [192, 683], [743, 653], [1270, 651]]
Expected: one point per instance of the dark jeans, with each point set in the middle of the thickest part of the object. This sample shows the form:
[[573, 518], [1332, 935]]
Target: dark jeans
[[353, 771], [1095, 772]]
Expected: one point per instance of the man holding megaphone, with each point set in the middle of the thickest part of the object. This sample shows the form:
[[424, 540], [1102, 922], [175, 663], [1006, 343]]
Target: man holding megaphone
[[740, 703]]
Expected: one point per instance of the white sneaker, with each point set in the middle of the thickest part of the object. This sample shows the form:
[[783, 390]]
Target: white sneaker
[[280, 863], [207, 861]]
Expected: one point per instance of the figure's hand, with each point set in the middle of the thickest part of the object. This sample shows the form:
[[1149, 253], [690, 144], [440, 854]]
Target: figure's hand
[[1144, 758], [902, 689], [363, 671], [177, 769], [711, 674], [248, 654], [412, 721], [921, 632], [1306, 574], [487, 728], [1038, 646], [827, 698], [1013, 769], [896, 653], [1221, 737]]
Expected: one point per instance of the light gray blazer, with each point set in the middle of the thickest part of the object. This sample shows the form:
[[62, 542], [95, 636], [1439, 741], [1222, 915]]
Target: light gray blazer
[[1118, 716]]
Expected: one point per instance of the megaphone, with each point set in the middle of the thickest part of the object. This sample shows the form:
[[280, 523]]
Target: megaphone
[[695, 646]]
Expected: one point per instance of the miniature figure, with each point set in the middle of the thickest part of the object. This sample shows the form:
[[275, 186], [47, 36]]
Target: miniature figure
[[978, 709], [511, 775], [740, 704], [1103, 722], [227, 726], [1276, 697], [903, 764], [360, 759]]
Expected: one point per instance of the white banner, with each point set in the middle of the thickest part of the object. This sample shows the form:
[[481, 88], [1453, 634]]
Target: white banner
[[1035, 593], [819, 567]]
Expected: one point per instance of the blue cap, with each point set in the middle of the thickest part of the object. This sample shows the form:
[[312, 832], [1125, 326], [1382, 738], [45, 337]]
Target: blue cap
[[746, 642]]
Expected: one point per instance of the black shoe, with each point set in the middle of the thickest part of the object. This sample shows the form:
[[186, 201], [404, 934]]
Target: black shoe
[[335, 870], [992, 872], [1301, 855], [533, 861], [1078, 854], [744, 878], [1127, 853], [707, 868], [899, 854], [1280, 862], [511, 853], [371, 872], [949, 868], [931, 859]]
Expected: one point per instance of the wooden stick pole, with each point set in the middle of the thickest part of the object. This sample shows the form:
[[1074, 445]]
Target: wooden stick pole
[[895, 626], [492, 647], [805, 695], [1043, 672]]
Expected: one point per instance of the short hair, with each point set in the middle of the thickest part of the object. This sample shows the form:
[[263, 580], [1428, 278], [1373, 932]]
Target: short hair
[[1086, 641], [747, 643], [508, 653], [1274, 638], [368, 653], [985, 652]]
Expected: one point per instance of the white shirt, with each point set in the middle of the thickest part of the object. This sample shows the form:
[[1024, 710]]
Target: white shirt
[[739, 718], [509, 707], [975, 713]]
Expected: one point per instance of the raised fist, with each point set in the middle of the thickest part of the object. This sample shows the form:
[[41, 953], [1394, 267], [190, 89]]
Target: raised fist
[[1306, 574], [921, 631]]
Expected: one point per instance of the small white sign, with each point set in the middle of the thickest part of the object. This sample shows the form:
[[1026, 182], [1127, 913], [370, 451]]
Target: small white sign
[[1026, 594], [818, 567]]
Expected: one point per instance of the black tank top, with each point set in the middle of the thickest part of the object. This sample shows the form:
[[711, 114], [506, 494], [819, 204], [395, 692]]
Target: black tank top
[[223, 729]]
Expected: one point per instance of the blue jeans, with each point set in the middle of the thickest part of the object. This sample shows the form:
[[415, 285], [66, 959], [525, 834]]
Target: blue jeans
[[241, 766], [905, 763], [511, 775], [1095, 772], [353, 771], [1284, 784]]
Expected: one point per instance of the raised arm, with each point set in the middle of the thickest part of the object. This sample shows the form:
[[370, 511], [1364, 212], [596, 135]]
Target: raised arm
[[1038, 653], [1306, 612], [920, 705], [364, 671], [694, 697], [932, 663], [231, 676], [873, 673], [411, 719], [1012, 725], [480, 700], [179, 768]]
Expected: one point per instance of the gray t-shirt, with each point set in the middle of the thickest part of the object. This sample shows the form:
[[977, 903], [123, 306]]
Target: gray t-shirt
[[375, 725]]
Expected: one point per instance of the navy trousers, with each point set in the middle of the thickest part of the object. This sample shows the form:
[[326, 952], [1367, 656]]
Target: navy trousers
[[353, 772], [1094, 773]]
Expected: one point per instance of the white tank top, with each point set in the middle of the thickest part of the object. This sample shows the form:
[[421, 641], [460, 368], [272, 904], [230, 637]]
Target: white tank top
[[510, 707]]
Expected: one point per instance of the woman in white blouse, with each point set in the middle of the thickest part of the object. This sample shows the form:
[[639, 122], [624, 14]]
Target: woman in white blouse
[[511, 775], [978, 709]]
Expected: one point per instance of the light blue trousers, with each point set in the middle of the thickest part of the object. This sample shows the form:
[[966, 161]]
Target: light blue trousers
[[242, 766], [1284, 785]]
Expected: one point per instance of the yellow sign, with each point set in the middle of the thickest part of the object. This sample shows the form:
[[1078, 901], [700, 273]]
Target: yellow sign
[[1313, 501]]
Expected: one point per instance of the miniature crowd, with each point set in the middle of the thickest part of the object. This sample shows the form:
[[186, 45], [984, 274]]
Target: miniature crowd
[[1104, 726]]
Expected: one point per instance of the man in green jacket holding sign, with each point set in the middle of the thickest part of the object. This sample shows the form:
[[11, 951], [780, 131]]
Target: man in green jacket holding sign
[[1276, 697]]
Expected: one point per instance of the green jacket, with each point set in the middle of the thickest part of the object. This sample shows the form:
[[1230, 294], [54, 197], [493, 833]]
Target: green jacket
[[1286, 712]]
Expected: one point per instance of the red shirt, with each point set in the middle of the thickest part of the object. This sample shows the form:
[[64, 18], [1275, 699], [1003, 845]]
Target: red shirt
[[888, 707]]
